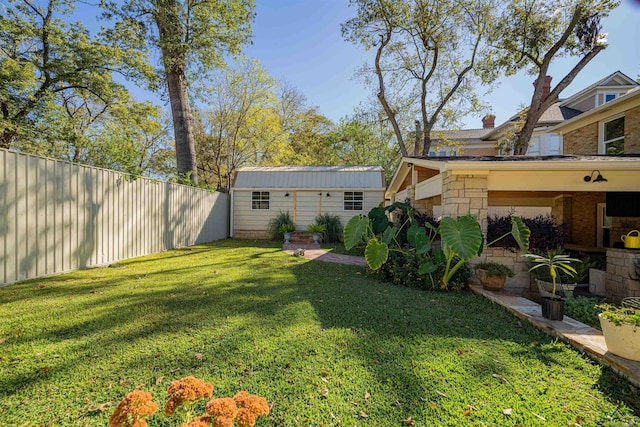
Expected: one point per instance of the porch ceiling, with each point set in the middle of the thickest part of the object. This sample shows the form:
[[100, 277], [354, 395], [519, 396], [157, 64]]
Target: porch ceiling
[[548, 174]]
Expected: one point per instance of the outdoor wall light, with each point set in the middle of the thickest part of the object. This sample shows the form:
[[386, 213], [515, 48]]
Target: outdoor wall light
[[599, 178], [328, 195], [286, 194]]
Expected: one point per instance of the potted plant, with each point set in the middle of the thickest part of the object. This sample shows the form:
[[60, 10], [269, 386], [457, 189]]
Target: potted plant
[[317, 230], [554, 264], [621, 330], [286, 230], [493, 275]]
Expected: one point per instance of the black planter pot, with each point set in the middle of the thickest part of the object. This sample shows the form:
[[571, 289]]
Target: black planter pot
[[552, 309]]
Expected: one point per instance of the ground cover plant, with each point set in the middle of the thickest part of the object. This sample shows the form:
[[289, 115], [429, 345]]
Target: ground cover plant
[[325, 344]]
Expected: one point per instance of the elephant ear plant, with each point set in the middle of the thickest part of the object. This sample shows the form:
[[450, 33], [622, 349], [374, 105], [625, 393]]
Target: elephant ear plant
[[461, 237], [376, 232]]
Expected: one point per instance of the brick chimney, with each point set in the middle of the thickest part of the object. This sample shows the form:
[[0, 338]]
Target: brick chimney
[[489, 122], [546, 87]]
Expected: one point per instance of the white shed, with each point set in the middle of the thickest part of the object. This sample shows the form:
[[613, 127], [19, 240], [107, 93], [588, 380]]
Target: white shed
[[260, 193]]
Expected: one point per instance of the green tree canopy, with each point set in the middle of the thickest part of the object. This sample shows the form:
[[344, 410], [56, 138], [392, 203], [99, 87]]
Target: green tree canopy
[[192, 38], [425, 54], [531, 34], [44, 58]]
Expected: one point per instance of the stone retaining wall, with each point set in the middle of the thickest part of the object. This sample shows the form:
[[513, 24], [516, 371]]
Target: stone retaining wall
[[620, 269]]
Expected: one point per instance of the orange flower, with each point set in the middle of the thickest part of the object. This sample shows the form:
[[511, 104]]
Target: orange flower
[[257, 405], [223, 422], [195, 423], [132, 409], [185, 390], [245, 418], [224, 407], [240, 398]]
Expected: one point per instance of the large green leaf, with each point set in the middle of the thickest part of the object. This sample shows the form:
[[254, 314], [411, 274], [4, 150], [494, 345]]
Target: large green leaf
[[355, 231], [379, 220], [412, 232], [376, 254], [423, 244], [462, 236], [520, 233], [388, 235], [427, 267]]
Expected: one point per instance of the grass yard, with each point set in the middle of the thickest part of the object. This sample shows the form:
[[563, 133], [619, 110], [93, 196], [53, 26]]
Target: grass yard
[[326, 344]]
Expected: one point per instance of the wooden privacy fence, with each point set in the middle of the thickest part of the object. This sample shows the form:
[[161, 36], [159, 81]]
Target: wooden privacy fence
[[57, 216]]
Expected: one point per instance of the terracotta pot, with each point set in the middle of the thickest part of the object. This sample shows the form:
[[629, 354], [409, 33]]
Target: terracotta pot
[[491, 283], [552, 309]]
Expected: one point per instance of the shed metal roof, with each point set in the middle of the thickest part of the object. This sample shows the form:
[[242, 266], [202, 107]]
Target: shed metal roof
[[310, 177]]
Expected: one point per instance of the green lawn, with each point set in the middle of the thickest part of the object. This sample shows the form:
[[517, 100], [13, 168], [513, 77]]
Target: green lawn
[[326, 344]]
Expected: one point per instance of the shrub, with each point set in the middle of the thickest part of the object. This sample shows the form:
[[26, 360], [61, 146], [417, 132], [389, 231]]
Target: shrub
[[276, 223], [494, 269], [584, 310], [546, 234], [316, 229], [332, 227], [401, 268]]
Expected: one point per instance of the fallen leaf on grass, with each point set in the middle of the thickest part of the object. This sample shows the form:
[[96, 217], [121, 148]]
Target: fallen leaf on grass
[[466, 412], [408, 422], [159, 380], [363, 414], [3, 339], [441, 393], [324, 379], [324, 392], [366, 395], [434, 405], [507, 411], [198, 356], [541, 417], [500, 377]]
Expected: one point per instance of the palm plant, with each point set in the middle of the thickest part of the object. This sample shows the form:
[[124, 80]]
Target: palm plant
[[556, 263]]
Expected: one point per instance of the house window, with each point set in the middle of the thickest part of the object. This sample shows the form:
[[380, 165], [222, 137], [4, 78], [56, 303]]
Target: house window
[[260, 200], [609, 97], [613, 136], [534, 146], [353, 200]]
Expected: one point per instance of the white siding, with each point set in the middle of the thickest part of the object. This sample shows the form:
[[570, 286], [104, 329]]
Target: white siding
[[308, 204], [57, 216]]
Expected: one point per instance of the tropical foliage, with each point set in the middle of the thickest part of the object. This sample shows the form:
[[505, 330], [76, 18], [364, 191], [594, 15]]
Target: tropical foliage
[[460, 240]]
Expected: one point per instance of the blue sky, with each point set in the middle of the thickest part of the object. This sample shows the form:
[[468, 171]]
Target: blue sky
[[300, 41]]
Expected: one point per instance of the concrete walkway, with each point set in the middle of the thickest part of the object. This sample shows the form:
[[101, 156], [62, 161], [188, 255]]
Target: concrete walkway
[[578, 334], [581, 336], [314, 252]]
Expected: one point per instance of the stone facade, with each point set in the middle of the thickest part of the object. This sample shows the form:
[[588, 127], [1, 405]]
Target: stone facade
[[620, 270], [632, 131], [462, 194], [581, 141], [251, 234]]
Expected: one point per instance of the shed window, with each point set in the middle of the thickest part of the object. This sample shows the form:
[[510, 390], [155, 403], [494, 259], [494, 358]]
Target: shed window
[[260, 200], [613, 136], [353, 200]]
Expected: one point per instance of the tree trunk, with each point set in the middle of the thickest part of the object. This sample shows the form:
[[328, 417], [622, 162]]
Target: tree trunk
[[182, 125], [171, 34]]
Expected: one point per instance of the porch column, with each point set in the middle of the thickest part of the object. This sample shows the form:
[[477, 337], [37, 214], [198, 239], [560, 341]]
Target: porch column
[[462, 194]]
